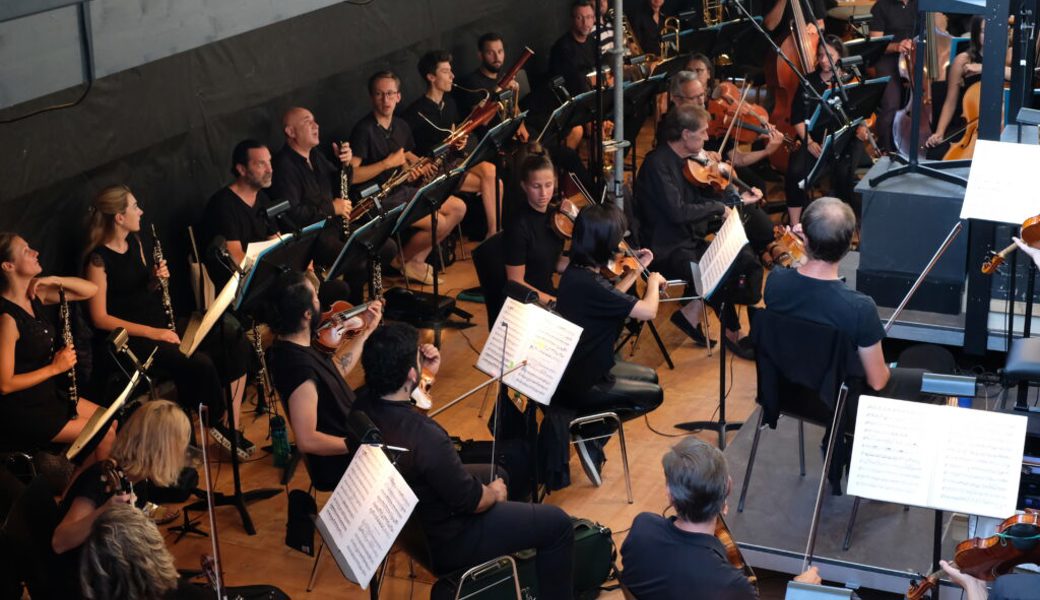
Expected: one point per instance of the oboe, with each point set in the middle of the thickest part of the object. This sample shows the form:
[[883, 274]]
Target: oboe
[[66, 337], [346, 173], [164, 282]]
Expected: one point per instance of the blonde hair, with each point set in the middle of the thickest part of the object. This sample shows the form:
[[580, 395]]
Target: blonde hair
[[125, 558], [153, 442], [101, 221]]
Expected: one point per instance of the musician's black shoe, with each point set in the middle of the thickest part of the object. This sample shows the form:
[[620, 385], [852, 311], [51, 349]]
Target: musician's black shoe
[[742, 347], [222, 435], [695, 333]]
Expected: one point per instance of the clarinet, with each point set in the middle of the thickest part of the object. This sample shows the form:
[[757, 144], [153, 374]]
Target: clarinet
[[164, 282], [346, 173], [66, 336]]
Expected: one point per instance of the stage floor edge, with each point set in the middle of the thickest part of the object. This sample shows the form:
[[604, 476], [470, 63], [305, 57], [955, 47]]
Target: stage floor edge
[[889, 545]]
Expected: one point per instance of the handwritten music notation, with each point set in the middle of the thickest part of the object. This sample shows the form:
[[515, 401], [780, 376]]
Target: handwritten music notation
[[943, 457]]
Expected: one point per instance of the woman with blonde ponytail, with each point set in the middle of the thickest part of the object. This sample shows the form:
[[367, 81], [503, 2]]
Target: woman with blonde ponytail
[[129, 297]]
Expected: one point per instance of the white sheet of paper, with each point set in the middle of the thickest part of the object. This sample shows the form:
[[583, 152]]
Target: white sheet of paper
[[365, 513], [936, 456], [721, 253], [546, 341], [1002, 182], [223, 300]]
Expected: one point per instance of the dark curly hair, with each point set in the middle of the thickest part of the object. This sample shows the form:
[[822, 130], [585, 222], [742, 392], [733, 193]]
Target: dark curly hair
[[388, 355], [288, 300]]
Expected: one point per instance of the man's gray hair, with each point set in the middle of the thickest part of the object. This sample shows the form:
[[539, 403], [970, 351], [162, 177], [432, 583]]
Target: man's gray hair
[[697, 479], [678, 80]]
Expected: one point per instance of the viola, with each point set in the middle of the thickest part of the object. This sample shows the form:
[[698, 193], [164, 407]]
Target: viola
[[708, 172], [620, 266], [790, 246], [733, 554], [1030, 234], [752, 120], [343, 321], [567, 210], [1014, 543]]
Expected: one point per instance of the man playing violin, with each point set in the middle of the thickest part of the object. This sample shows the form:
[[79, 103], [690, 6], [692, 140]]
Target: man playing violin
[[675, 217], [313, 384], [432, 118], [668, 558], [382, 143]]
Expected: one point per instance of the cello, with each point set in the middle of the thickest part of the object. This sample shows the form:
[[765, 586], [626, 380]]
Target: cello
[[801, 45], [964, 148]]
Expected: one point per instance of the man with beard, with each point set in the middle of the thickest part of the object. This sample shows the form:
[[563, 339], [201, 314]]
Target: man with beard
[[238, 212], [312, 384], [491, 51]]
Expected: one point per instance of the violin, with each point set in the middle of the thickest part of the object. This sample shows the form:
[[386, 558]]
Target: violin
[[620, 266], [421, 394], [343, 321], [752, 120], [1030, 234], [1015, 543], [790, 246], [705, 171], [733, 554]]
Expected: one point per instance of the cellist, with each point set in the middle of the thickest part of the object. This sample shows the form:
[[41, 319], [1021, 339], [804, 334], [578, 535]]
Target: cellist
[[897, 18]]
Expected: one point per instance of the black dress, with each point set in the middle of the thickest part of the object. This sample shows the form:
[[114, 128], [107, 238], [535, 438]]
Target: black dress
[[33, 416], [131, 295]]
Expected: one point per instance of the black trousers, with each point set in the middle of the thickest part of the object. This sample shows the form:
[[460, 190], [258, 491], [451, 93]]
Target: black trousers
[[509, 527], [842, 173], [631, 391], [891, 100]]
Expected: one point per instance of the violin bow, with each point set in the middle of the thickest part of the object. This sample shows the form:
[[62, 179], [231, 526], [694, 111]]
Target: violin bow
[[625, 247], [736, 117]]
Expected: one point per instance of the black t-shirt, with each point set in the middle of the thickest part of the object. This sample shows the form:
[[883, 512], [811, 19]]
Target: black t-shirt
[[370, 142], [646, 30], [673, 215], [447, 493], [530, 242], [228, 216], [588, 300], [444, 116], [892, 17], [828, 302], [573, 60], [291, 365], [663, 562], [802, 99], [309, 189]]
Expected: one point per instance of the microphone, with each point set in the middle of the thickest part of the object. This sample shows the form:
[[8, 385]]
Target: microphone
[[855, 60], [218, 250], [557, 86], [277, 209]]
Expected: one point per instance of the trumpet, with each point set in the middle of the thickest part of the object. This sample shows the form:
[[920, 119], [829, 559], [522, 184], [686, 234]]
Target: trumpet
[[713, 12], [164, 282], [66, 337]]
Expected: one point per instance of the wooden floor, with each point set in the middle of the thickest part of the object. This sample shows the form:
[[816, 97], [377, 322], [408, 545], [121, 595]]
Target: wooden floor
[[691, 393]]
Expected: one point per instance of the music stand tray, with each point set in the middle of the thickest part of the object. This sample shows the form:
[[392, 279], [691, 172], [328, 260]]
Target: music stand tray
[[366, 241], [428, 199], [831, 150], [293, 252], [864, 99], [637, 93], [493, 141]]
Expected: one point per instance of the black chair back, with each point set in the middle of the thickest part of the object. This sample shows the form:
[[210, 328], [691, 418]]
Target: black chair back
[[489, 259], [29, 527]]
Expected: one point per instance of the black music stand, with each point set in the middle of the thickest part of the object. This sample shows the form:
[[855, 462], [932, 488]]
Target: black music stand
[[293, 252], [831, 150], [426, 202], [912, 164], [870, 49], [366, 242], [575, 111], [859, 101], [638, 96]]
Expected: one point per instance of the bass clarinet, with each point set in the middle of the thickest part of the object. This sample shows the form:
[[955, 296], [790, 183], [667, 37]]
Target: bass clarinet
[[164, 282], [346, 173], [66, 337]]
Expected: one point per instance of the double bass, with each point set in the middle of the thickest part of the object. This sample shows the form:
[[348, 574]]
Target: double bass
[[801, 46]]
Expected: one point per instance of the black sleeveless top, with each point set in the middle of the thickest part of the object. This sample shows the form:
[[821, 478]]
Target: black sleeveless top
[[33, 416], [132, 294]]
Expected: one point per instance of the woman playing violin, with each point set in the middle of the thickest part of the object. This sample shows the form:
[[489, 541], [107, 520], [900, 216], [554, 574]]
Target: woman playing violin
[[533, 252], [843, 173]]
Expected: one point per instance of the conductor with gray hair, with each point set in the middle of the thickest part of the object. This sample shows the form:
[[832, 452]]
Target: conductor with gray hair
[[668, 558]]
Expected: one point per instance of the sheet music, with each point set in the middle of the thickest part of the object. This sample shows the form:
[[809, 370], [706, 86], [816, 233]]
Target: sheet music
[[1002, 182], [193, 336], [365, 513], [254, 249], [546, 341], [721, 253], [100, 418], [948, 458]]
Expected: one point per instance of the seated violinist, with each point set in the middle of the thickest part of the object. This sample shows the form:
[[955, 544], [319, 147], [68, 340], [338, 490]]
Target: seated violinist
[[1015, 586], [842, 171], [680, 557], [533, 251], [594, 380], [313, 383], [675, 218]]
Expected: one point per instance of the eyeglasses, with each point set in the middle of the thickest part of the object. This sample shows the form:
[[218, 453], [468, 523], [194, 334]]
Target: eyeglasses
[[385, 94]]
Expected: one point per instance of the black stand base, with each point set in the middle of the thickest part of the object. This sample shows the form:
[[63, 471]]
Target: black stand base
[[933, 169], [188, 525], [239, 501], [719, 426]]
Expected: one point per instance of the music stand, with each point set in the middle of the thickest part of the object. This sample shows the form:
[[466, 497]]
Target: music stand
[[870, 49], [698, 41], [366, 241], [670, 66], [637, 97], [831, 150], [862, 101], [292, 252], [494, 140]]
